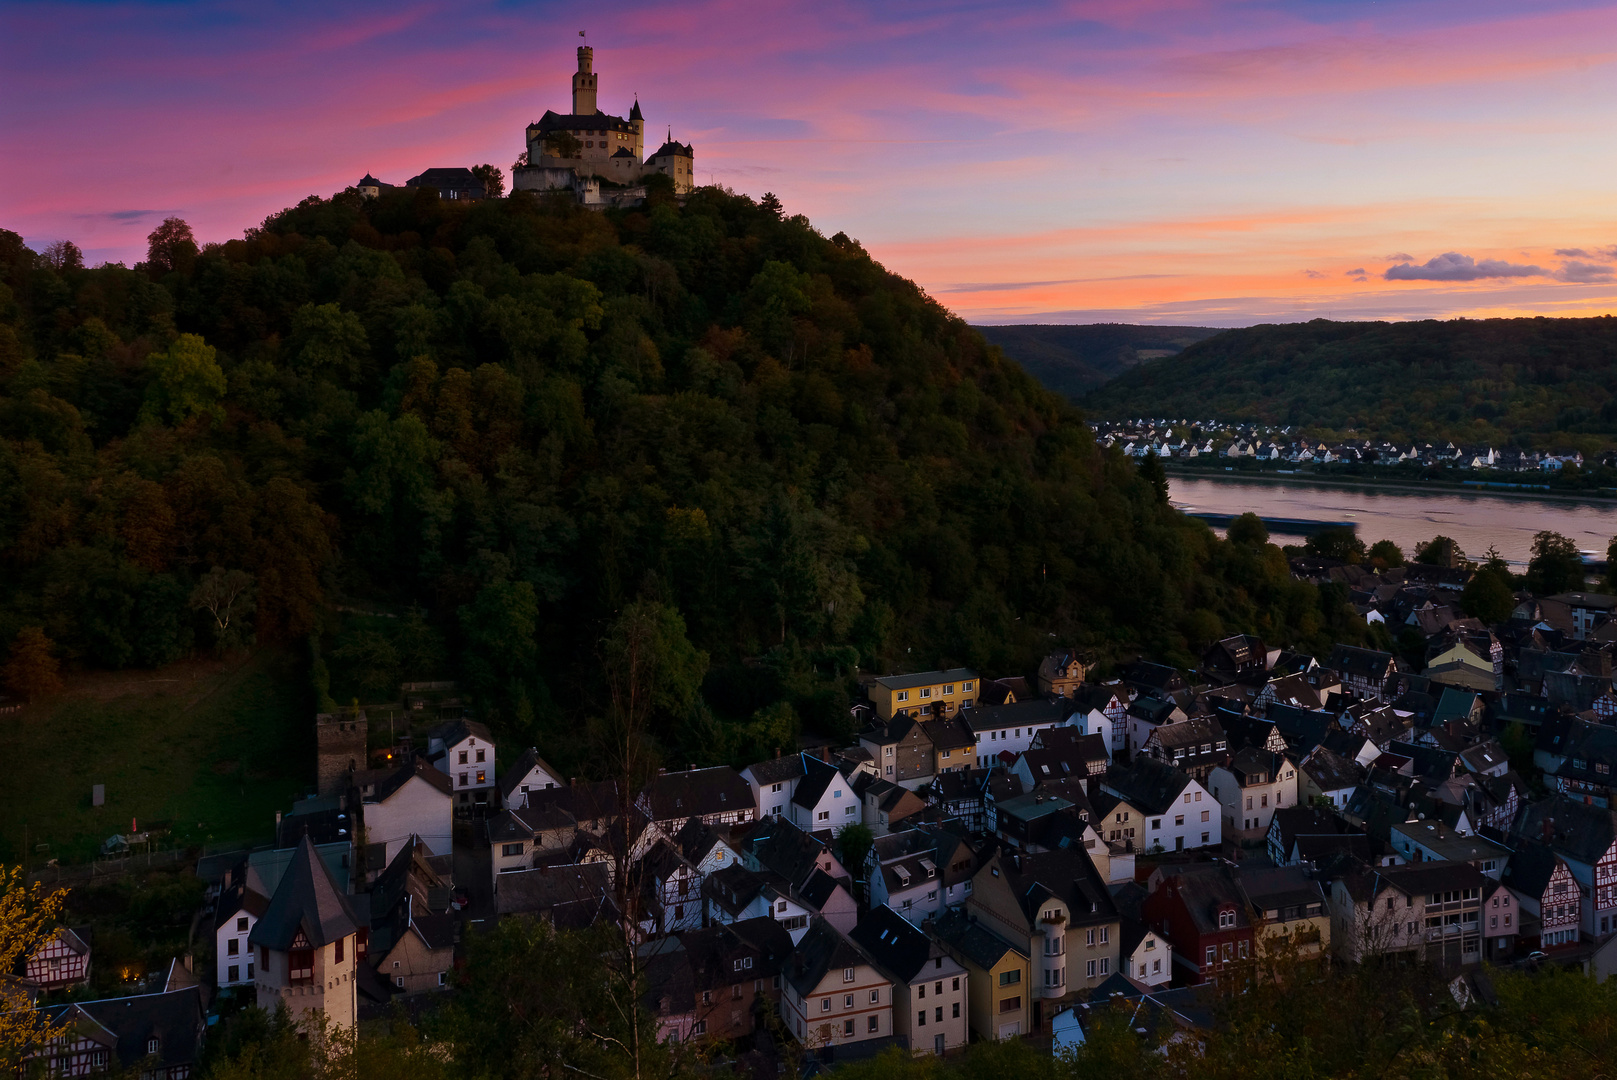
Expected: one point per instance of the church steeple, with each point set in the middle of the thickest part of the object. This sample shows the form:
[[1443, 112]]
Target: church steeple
[[634, 113]]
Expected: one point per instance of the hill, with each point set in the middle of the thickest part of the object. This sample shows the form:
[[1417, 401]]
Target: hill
[[1072, 360], [471, 440], [1540, 383]]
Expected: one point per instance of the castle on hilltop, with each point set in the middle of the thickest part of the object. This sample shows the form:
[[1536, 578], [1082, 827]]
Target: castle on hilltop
[[581, 148]]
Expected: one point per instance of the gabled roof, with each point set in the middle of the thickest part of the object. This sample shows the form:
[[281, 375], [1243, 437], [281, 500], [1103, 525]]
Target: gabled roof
[[817, 777], [777, 770], [1331, 771], [125, 1025], [899, 949], [923, 678], [1148, 785], [455, 732], [1577, 831], [949, 733], [1530, 868], [821, 950], [307, 899], [388, 784], [973, 940], [1065, 874], [1029, 712], [519, 771], [699, 792], [573, 895]]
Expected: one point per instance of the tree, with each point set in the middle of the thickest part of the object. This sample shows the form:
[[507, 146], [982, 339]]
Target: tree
[[1385, 554], [27, 915], [1556, 565], [63, 255], [186, 381], [1152, 472], [227, 597], [1610, 583], [170, 247], [31, 670], [1338, 542], [1439, 551], [492, 179], [564, 144], [1248, 530], [770, 204], [854, 841], [520, 163], [1488, 597]]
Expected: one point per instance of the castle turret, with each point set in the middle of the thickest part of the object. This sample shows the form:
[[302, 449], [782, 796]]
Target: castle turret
[[584, 83], [307, 942]]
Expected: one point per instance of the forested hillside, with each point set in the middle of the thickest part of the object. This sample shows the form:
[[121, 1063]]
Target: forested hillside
[[458, 440], [1072, 360], [1536, 383]]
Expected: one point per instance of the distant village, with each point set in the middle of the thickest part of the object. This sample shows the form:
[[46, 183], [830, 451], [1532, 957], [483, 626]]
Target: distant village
[[993, 856], [1206, 440]]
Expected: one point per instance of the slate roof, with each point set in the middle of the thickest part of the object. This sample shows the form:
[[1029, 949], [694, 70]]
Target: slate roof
[[1577, 831], [576, 894], [1414, 879], [519, 771], [898, 948], [1065, 874], [699, 792], [821, 950], [125, 1025], [1027, 712], [1148, 785], [817, 777], [818, 889], [1361, 663], [949, 733], [387, 783], [973, 940], [923, 678], [777, 770], [306, 899], [674, 146], [455, 732], [1530, 868], [1331, 771], [596, 121]]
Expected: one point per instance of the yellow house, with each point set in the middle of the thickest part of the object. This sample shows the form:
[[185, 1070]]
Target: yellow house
[[932, 693], [998, 975], [954, 745], [1460, 665]]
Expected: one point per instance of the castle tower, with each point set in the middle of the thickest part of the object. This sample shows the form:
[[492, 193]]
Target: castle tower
[[307, 941], [584, 83]]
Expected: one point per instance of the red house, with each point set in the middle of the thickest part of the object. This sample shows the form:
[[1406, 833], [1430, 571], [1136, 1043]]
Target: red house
[[1202, 911]]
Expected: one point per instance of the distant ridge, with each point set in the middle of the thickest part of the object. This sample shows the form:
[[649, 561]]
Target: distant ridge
[[1536, 382], [1073, 360]]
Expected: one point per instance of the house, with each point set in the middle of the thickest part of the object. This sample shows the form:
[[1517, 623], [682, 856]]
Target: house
[[1290, 909], [716, 795], [410, 801], [449, 183], [411, 939], [1543, 887], [1177, 812], [823, 798], [735, 974], [736, 894], [1061, 673], [1585, 837], [1055, 907], [1236, 659], [245, 893], [930, 987], [998, 975], [1104, 708], [1364, 672], [1434, 841], [1145, 715], [463, 750], [1062, 759], [900, 752], [1146, 955], [919, 872], [61, 960], [1118, 822], [954, 745], [928, 693], [1009, 729], [886, 806], [671, 890], [518, 838], [1327, 775], [530, 773], [1589, 610], [774, 782], [1291, 828], [1205, 917], [832, 994], [307, 943], [1192, 747], [159, 1035], [571, 895], [1427, 912], [1468, 663], [958, 796], [1585, 768], [1250, 789]]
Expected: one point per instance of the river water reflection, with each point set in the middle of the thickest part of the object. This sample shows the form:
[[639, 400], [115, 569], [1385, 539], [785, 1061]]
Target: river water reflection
[[1408, 518]]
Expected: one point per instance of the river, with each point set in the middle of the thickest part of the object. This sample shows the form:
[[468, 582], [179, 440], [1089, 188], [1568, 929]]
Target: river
[[1474, 521]]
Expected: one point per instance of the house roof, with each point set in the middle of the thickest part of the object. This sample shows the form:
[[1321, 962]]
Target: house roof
[[306, 899], [949, 733], [1414, 879], [923, 678], [698, 792], [898, 948], [1027, 712], [1577, 831], [1331, 771], [973, 940], [454, 732], [1530, 868], [777, 770], [596, 121], [821, 950], [1362, 663], [126, 1025], [387, 784], [1148, 785], [518, 772], [817, 777], [571, 895], [1065, 874]]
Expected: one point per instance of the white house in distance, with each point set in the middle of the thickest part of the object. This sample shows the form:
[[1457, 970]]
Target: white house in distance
[[774, 782], [1178, 812], [1146, 956], [1250, 789], [823, 799], [530, 773], [1009, 729], [463, 750], [413, 800]]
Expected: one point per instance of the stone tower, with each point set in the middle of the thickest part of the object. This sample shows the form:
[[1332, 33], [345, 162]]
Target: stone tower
[[584, 83], [340, 742], [306, 942]]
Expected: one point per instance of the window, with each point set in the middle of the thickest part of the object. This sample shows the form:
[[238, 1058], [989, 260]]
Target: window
[[510, 849], [241, 924], [847, 1028], [232, 947], [889, 752], [920, 1018], [823, 815], [965, 687], [699, 1028], [152, 1046], [1105, 934], [1212, 954], [1089, 937], [480, 756], [300, 965], [249, 969], [1226, 919], [1105, 965], [1178, 820], [338, 944], [847, 974], [463, 757], [482, 777], [1010, 1004], [1010, 978], [1089, 969], [847, 1001], [921, 991], [875, 997], [233, 973], [889, 770], [872, 1024], [1204, 815], [462, 779], [956, 983], [903, 695], [926, 692], [1156, 824], [825, 1004], [443, 978]]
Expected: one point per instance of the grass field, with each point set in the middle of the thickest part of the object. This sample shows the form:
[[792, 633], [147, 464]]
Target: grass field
[[212, 747]]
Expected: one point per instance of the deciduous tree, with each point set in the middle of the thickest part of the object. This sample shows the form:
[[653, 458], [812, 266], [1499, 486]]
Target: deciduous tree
[[170, 247], [28, 913], [31, 670], [1556, 565]]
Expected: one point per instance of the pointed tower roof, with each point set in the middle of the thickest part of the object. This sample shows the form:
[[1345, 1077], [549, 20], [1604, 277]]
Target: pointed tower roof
[[634, 113], [307, 899]]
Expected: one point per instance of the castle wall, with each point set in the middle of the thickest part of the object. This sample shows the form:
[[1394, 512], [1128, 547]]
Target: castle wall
[[340, 741]]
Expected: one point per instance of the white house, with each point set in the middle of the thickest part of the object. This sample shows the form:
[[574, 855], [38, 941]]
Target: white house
[[1009, 729], [736, 894], [774, 782], [245, 893], [1178, 814], [530, 773], [463, 750], [823, 799], [412, 800], [1146, 956], [1251, 788]]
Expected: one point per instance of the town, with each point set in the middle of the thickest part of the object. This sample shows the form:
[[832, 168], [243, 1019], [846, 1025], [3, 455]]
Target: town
[[994, 856]]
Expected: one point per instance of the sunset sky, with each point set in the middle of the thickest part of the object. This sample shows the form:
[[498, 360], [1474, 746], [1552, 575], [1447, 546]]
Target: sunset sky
[[1124, 160]]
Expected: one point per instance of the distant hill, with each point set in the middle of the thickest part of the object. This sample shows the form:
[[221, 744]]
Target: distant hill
[[1073, 360], [1540, 382]]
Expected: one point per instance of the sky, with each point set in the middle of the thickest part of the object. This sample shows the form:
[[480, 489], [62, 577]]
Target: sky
[[1191, 162]]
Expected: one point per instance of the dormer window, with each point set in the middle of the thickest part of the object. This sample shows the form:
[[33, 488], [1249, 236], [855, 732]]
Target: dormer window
[[153, 1046], [1226, 918]]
